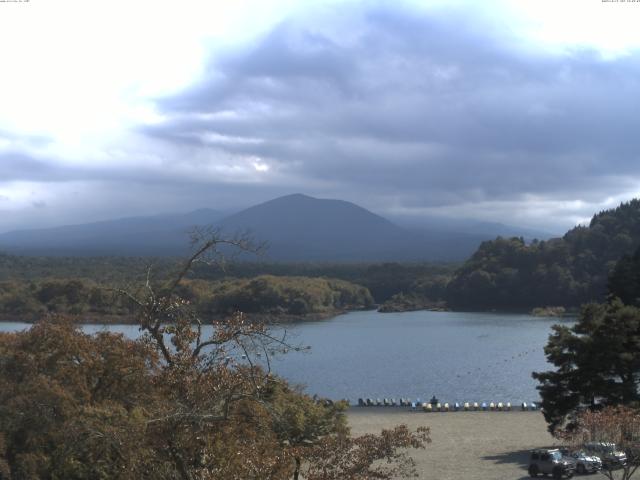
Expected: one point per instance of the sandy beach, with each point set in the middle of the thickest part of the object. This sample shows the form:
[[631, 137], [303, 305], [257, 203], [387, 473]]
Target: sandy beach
[[465, 445]]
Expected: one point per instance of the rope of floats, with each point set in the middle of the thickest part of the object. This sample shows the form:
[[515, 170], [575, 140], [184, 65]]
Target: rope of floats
[[446, 407]]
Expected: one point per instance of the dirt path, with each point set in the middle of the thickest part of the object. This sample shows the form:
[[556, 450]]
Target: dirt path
[[465, 445]]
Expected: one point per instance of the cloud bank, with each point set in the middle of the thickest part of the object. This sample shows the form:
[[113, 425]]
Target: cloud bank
[[405, 111], [429, 112]]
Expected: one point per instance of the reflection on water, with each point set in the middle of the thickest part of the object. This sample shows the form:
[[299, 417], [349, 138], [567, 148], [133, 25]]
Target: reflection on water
[[456, 356]]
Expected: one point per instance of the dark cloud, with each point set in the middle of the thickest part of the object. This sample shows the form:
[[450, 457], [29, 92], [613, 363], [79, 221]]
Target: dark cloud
[[19, 166], [396, 109], [430, 109]]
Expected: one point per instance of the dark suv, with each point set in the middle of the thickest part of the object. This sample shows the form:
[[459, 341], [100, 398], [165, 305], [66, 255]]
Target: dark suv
[[552, 462]]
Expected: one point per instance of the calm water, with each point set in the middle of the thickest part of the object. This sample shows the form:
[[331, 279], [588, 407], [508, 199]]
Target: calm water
[[456, 356]]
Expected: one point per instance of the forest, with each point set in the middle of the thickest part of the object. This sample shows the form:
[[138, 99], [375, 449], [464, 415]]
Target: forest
[[31, 286], [509, 273], [503, 274], [262, 295]]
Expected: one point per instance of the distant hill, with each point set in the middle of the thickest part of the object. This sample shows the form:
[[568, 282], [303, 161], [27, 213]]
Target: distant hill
[[509, 273], [301, 228], [473, 229], [296, 228], [147, 236]]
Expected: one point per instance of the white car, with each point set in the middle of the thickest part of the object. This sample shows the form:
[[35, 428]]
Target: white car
[[586, 463], [608, 452]]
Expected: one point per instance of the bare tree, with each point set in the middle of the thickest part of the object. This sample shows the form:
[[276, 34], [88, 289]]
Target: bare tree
[[611, 425]]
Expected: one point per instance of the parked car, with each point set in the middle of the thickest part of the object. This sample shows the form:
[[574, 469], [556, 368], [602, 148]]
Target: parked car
[[550, 461], [610, 455], [586, 463]]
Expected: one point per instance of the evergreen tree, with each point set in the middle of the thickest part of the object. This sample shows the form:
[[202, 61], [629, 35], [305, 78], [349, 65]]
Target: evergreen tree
[[597, 361], [624, 282]]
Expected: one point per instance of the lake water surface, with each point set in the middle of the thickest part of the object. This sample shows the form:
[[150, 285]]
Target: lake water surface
[[456, 356]]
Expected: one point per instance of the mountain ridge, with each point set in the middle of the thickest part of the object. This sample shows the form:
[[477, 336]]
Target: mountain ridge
[[297, 227]]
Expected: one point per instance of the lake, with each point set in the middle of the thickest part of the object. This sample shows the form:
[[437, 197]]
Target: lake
[[458, 356]]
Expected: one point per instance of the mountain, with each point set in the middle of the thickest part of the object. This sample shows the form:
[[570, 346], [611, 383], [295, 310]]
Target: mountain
[[295, 227], [154, 235], [302, 228]]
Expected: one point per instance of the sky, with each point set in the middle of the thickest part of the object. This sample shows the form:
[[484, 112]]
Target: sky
[[517, 112]]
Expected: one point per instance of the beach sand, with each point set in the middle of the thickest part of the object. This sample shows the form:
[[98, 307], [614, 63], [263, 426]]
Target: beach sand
[[465, 445]]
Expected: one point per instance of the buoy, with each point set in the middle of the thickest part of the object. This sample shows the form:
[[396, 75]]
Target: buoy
[[427, 407]]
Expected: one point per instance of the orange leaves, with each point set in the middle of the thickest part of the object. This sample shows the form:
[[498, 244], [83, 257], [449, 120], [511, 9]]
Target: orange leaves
[[382, 456]]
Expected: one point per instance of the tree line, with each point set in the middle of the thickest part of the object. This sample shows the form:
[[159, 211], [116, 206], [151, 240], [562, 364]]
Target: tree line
[[263, 295], [510, 273]]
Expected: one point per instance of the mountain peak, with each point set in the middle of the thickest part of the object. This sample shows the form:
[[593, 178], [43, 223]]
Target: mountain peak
[[295, 196], [297, 227]]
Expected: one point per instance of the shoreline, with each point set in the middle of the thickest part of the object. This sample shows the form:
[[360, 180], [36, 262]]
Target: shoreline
[[272, 319], [112, 319], [396, 410]]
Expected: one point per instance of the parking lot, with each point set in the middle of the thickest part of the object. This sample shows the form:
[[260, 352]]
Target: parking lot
[[466, 445]]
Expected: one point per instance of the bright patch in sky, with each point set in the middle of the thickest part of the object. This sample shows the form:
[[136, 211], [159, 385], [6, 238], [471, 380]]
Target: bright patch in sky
[[76, 68]]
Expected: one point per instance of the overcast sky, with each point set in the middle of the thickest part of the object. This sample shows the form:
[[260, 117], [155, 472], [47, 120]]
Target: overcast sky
[[522, 112]]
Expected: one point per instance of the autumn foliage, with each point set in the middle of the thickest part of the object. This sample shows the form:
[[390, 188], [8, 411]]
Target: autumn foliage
[[173, 404], [619, 425]]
